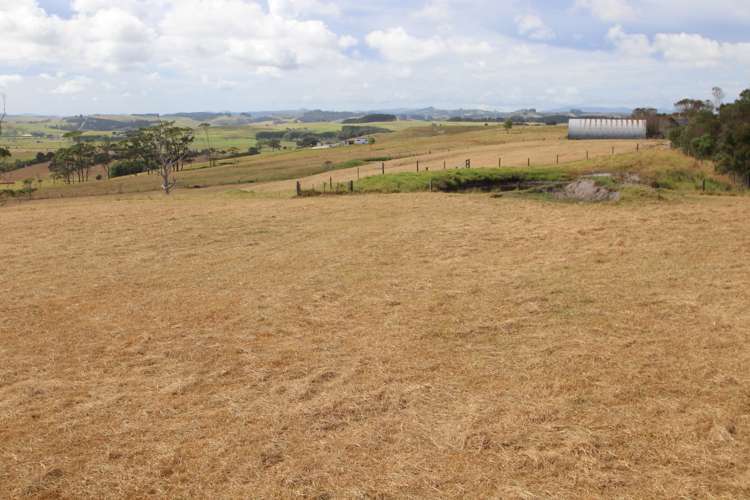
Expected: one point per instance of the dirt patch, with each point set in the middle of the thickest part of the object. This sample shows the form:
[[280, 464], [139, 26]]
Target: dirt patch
[[587, 190]]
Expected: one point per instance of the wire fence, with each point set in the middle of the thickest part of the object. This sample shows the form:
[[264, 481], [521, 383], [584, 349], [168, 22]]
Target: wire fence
[[344, 181]]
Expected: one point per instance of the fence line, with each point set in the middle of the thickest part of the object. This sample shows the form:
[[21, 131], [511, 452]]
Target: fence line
[[347, 185]]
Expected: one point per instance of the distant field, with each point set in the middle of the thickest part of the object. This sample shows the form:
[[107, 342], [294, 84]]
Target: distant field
[[430, 143]]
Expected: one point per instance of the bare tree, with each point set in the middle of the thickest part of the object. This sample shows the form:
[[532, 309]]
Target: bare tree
[[719, 96], [170, 145]]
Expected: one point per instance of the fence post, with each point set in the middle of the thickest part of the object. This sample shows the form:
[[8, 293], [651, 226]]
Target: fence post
[[638, 147], [382, 168], [613, 150], [500, 162], [557, 160], [443, 164], [331, 181], [299, 189], [357, 173], [528, 162], [351, 186], [417, 165], [587, 155]]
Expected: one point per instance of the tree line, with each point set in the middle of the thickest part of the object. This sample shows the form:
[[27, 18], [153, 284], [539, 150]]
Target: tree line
[[162, 149], [714, 131]]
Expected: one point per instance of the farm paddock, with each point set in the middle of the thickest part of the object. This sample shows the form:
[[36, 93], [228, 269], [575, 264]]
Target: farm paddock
[[382, 345]]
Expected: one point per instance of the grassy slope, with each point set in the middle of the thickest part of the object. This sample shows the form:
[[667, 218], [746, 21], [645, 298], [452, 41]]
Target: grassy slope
[[659, 168], [301, 163]]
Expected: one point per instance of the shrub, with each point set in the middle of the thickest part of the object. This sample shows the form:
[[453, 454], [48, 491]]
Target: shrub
[[126, 167]]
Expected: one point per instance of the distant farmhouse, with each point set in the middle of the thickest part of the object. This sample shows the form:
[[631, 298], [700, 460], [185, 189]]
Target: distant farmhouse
[[357, 141], [606, 128]]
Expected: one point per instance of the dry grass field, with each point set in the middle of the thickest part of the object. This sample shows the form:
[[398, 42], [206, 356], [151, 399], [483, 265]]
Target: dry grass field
[[375, 346]]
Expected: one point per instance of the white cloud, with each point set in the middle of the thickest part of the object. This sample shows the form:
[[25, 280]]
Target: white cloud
[[680, 48], [609, 10], [630, 44], [347, 42], [435, 10], [691, 49], [73, 86], [533, 27], [397, 45], [219, 84], [175, 54], [302, 8], [239, 32], [177, 33], [6, 80]]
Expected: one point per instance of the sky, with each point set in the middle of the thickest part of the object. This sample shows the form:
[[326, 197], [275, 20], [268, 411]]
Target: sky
[[66, 57]]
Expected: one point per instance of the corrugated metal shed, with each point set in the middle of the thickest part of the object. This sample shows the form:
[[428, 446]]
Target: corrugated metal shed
[[606, 128]]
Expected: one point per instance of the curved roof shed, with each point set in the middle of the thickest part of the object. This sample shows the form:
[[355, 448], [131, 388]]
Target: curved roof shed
[[606, 128]]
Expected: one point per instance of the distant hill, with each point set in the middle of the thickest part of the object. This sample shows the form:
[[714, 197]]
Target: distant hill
[[325, 116], [112, 123], [201, 116], [97, 124], [372, 118], [591, 110]]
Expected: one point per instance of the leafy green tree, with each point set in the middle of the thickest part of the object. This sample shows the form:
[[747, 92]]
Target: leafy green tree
[[28, 187], [725, 137], [73, 135], [61, 166], [703, 147], [103, 155], [74, 163], [689, 107], [508, 125], [4, 153], [307, 141], [733, 149]]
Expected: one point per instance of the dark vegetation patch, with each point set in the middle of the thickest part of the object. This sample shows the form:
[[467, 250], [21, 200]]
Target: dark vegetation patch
[[89, 123], [378, 158], [470, 179]]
